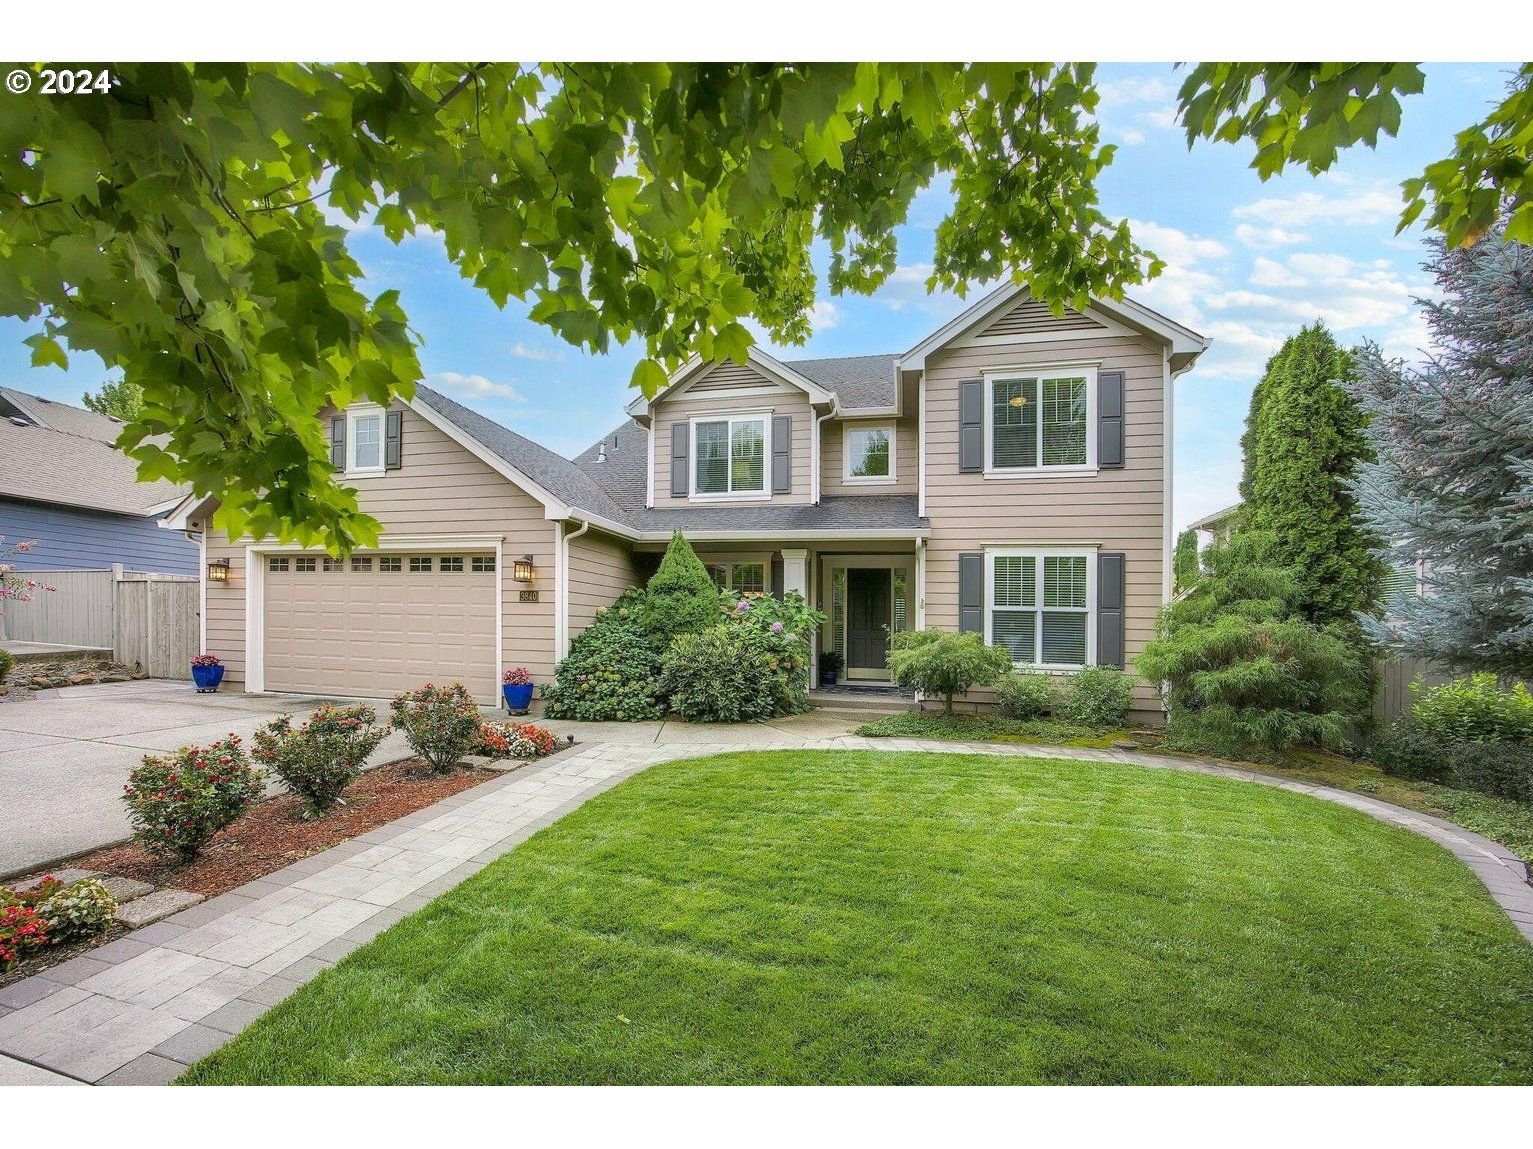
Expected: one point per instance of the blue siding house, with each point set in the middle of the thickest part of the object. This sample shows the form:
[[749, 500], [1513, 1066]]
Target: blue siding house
[[63, 483]]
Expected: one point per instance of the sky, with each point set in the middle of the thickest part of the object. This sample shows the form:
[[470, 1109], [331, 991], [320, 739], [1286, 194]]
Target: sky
[[1248, 263]]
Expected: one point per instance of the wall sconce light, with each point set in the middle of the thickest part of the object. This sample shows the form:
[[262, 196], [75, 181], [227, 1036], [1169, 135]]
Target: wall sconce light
[[218, 570], [521, 569]]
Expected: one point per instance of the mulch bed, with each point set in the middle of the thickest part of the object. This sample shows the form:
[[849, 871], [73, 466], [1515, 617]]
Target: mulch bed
[[271, 834]]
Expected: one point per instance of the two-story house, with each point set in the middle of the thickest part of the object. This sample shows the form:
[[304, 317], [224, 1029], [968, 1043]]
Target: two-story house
[[1009, 475]]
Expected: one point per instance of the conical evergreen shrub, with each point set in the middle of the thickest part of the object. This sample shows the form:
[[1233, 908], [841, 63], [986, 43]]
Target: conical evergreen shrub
[[682, 598]]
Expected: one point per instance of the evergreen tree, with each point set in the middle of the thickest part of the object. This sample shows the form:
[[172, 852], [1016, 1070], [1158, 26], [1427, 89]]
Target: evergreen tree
[[682, 598], [1184, 561], [1453, 482], [121, 399], [1305, 438]]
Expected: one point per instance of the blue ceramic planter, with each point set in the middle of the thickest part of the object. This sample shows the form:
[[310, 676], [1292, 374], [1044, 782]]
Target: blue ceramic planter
[[207, 678], [518, 698]]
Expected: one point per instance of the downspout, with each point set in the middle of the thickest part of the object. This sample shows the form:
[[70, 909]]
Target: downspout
[[564, 587], [814, 477]]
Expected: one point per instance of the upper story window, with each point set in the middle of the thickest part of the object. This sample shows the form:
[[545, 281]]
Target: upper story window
[[869, 454], [1040, 420], [364, 441], [1039, 606], [729, 455]]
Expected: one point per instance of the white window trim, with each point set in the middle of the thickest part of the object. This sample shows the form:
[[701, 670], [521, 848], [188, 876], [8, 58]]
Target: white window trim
[[729, 566], [1041, 372], [1040, 553], [887, 427], [731, 418], [365, 411]]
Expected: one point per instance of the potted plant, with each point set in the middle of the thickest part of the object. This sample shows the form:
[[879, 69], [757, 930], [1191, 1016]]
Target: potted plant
[[207, 673], [516, 685], [830, 666]]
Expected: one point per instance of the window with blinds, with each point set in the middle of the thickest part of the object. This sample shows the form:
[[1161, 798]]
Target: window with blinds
[[1040, 422], [1039, 609], [729, 456]]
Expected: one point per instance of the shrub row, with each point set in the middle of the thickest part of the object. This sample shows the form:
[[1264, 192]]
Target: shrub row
[[1472, 733], [1099, 696], [178, 802]]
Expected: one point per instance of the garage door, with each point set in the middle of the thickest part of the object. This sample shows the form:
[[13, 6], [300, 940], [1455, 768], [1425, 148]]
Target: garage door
[[373, 625]]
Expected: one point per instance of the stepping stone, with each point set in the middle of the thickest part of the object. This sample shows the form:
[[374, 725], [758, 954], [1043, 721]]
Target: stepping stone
[[126, 889], [67, 876], [153, 907]]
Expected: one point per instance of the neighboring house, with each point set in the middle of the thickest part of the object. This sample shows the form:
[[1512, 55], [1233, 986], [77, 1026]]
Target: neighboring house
[[63, 483], [1217, 526], [1009, 475]]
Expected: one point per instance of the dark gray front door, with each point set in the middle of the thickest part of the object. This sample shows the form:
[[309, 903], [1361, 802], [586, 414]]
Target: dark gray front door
[[867, 619]]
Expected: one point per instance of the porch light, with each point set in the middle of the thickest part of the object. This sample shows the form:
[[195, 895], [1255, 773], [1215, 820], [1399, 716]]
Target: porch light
[[521, 569], [218, 570]]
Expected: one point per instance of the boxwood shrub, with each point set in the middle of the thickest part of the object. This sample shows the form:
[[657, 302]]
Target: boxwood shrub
[[1099, 696], [1024, 695]]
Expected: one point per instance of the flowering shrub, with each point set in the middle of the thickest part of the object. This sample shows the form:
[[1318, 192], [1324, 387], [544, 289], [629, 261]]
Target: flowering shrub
[[70, 912], [22, 930], [178, 801], [612, 671], [516, 676], [514, 740], [441, 723], [14, 586], [322, 757], [206, 659]]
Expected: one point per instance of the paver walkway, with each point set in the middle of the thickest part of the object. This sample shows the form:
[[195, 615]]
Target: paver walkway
[[140, 1009]]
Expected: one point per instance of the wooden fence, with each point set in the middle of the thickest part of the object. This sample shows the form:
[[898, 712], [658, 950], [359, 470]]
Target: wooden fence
[[143, 618], [1395, 677]]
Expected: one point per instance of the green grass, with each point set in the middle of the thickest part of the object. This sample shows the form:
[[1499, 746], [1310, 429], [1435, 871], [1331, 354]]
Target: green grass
[[964, 727], [814, 917]]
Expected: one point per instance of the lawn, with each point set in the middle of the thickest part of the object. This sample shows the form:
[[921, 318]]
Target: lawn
[[813, 917]]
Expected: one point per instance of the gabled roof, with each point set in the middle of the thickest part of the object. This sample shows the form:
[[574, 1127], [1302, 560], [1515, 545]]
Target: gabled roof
[[1184, 344], [57, 453], [754, 356]]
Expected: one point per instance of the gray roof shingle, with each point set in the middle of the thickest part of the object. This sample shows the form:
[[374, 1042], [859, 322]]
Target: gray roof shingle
[[858, 380]]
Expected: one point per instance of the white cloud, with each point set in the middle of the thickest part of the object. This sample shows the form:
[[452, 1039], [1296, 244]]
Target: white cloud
[[1176, 246], [1130, 136], [1203, 490], [1316, 265], [539, 354], [1162, 118], [1304, 208], [476, 387], [1269, 273], [1265, 238], [823, 315], [1134, 90]]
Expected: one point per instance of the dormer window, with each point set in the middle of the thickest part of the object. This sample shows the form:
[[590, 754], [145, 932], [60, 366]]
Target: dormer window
[[364, 438]]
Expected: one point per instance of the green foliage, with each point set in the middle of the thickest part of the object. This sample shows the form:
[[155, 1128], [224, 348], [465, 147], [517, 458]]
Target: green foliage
[[751, 666], [612, 672], [1024, 695], [831, 662], [1305, 439], [1404, 751], [7, 660], [1243, 676], [178, 801], [72, 912], [1478, 708], [942, 663], [118, 398], [22, 932], [320, 758], [1099, 697], [1500, 769], [173, 228], [682, 598], [441, 723], [986, 726], [1184, 560]]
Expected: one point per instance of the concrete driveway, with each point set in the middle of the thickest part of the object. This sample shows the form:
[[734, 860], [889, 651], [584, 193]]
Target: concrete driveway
[[65, 756]]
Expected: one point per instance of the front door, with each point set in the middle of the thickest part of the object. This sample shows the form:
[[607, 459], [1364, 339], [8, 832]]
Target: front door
[[867, 622]]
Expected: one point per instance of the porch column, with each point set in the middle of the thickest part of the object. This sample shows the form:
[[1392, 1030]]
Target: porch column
[[795, 576]]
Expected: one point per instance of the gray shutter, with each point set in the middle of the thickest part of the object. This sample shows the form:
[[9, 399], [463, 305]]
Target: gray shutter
[[1110, 600], [679, 435], [782, 454], [393, 431], [777, 587], [1110, 419], [971, 593], [971, 425], [338, 442]]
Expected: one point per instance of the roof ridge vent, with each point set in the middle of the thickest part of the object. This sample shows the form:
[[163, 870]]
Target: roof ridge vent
[[18, 421]]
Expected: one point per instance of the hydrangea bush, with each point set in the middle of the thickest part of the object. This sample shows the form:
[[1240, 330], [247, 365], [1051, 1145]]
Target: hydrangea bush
[[320, 758], [612, 672], [178, 801], [441, 723]]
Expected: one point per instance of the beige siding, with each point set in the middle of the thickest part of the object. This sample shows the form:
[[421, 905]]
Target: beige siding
[[440, 489], [601, 568], [701, 399], [832, 466], [1029, 317], [1121, 510]]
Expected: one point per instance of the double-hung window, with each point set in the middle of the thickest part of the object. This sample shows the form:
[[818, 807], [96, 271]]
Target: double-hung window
[[729, 456], [869, 454], [364, 441], [1040, 606], [1040, 420]]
